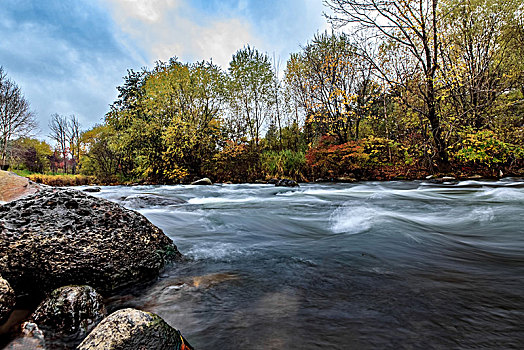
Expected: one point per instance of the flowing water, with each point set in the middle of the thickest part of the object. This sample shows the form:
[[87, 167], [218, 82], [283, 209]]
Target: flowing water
[[370, 265]]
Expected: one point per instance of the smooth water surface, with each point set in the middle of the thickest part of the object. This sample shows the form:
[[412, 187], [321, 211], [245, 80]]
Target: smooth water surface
[[369, 265]]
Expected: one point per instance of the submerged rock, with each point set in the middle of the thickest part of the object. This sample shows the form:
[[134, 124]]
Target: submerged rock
[[146, 201], [58, 237], [71, 310], [130, 329], [7, 298], [31, 337], [92, 189], [204, 181], [287, 183]]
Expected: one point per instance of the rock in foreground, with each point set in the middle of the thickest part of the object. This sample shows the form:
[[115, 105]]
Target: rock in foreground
[[58, 237], [131, 329], [71, 311], [13, 186], [7, 298]]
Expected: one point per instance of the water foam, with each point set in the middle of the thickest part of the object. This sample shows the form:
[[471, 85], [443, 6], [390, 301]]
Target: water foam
[[216, 251], [353, 220], [215, 200]]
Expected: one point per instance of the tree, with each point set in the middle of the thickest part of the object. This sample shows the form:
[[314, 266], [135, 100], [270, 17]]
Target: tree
[[99, 155], [409, 29], [480, 58], [59, 127], [334, 86], [16, 119], [73, 137], [251, 91], [31, 154]]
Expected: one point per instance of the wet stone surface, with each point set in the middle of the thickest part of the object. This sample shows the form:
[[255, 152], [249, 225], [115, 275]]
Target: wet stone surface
[[134, 329], [72, 311], [7, 298], [58, 237]]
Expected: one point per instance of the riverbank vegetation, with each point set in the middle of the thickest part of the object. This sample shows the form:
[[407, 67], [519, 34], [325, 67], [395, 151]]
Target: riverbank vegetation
[[399, 90]]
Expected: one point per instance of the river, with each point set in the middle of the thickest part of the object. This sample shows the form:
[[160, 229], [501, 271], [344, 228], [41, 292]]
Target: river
[[370, 265]]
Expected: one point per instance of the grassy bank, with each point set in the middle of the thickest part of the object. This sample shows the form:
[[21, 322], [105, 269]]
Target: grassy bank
[[56, 179]]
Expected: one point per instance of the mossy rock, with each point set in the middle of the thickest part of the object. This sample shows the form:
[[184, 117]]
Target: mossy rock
[[70, 311], [7, 299], [131, 329]]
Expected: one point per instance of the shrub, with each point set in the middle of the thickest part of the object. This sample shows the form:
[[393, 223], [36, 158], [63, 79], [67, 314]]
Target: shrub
[[330, 160], [485, 148], [235, 162], [286, 163]]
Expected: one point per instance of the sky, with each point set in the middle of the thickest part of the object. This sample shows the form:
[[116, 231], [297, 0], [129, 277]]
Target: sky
[[68, 56]]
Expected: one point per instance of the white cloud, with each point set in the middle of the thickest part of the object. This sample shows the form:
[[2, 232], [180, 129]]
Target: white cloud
[[167, 28]]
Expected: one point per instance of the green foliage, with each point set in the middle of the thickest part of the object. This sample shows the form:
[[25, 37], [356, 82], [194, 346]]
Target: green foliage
[[484, 147], [30, 154], [251, 93], [285, 163], [100, 157]]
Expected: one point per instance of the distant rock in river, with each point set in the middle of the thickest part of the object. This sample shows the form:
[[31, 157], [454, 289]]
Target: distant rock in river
[[204, 181]]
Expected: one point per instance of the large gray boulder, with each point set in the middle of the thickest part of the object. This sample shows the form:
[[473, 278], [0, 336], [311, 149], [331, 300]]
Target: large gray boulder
[[131, 329], [7, 298], [59, 237], [70, 311]]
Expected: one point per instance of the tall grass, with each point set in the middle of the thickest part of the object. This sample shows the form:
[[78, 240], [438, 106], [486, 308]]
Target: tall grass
[[61, 180], [284, 163]]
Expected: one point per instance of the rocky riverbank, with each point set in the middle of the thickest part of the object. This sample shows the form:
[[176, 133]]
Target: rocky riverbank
[[66, 248]]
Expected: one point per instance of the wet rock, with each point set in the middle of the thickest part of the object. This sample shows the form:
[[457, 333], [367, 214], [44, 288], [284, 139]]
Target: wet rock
[[58, 237], [134, 329], [7, 298], [204, 181], [443, 179], [272, 181], [92, 189], [287, 183], [13, 186], [346, 179], [71, 311], [31, 337], [146, 201]]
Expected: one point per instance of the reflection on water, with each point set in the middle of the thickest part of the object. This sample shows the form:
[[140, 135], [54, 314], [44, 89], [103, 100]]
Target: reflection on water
[[364, 266]]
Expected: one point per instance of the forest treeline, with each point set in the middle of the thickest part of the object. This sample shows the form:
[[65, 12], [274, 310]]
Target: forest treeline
[[400, 89]]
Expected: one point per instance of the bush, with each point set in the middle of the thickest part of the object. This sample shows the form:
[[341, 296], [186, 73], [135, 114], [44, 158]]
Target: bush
[[284, 163], [235, 162], [485, 148], [328, 159]]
